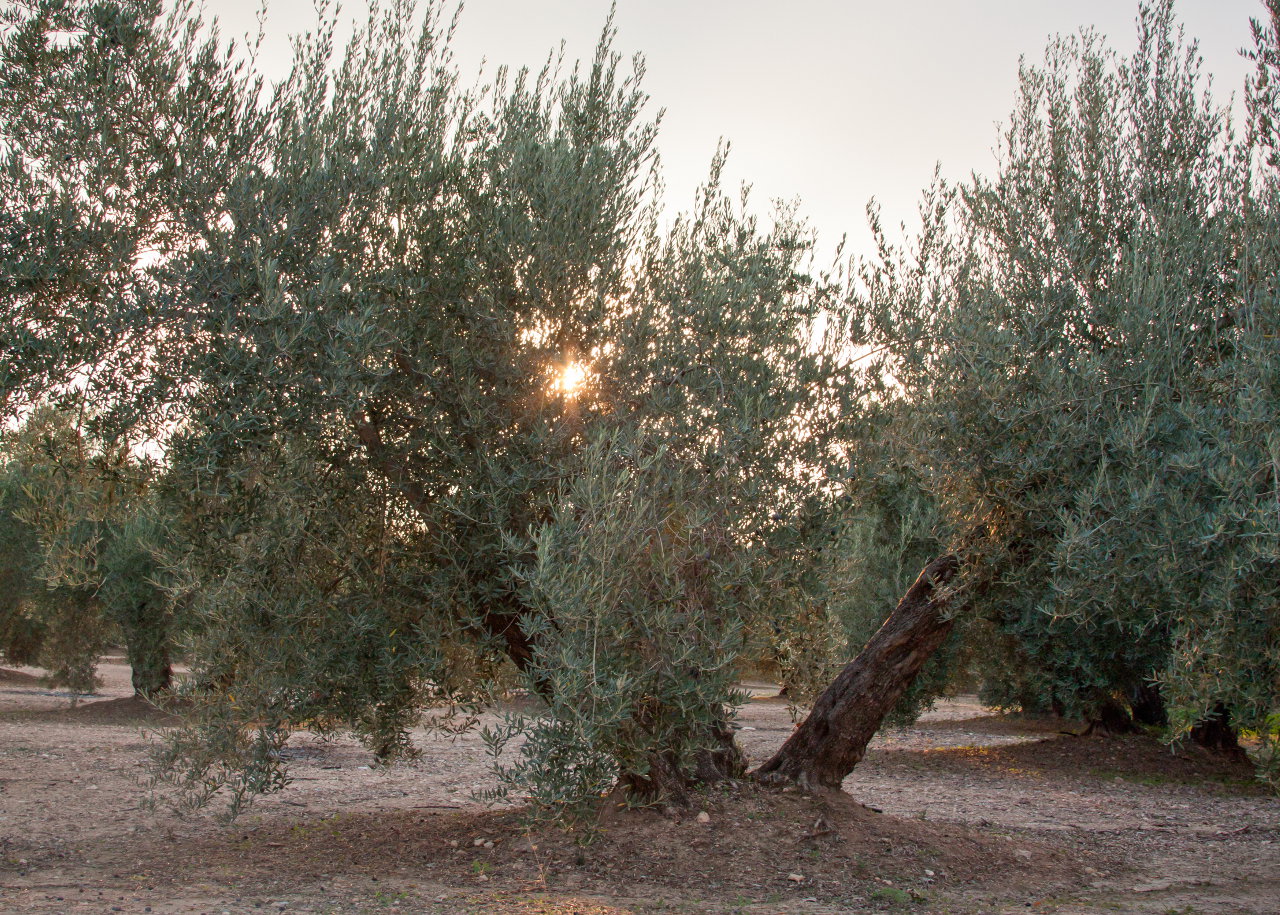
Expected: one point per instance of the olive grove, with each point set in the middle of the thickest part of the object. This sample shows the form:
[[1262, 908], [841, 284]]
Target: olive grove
[[345, 310]]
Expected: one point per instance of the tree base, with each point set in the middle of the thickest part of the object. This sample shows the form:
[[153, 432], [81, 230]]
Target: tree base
[[834, 737], [1111, 719], [1216, 734], [668, 784]]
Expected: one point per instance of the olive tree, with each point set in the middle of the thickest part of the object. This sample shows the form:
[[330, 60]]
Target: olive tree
[[57, 627], [81, 558], [344, 307], [1086, 345]]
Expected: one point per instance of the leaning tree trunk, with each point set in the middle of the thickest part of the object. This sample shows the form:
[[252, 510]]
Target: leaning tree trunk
[[834, 738]]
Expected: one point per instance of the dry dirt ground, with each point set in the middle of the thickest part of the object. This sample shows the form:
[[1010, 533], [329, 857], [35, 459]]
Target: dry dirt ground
[[965, 813]]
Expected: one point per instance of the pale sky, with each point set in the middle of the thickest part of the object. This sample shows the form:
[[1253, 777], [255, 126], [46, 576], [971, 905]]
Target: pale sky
[[826, 101]]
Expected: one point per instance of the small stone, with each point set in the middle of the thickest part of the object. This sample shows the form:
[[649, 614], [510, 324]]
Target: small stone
[[477, 843], [796, 878], [453, 843], [488, 844], [927, 872], [484, 878], [704, 817], [1023, 854]]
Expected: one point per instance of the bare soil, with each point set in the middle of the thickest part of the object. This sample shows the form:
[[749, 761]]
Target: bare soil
[[967, 812]]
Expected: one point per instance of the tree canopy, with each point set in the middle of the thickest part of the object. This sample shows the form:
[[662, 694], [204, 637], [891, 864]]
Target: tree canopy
[[344, 310], [1084, 349], [341, 305]]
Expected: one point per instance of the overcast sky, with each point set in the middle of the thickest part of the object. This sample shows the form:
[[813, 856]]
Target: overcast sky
[[828, 101]]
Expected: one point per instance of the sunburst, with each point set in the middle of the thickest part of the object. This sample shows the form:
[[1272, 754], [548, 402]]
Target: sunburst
[[571, 379]]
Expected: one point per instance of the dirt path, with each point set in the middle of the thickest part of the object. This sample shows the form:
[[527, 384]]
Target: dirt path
[[965, 813]]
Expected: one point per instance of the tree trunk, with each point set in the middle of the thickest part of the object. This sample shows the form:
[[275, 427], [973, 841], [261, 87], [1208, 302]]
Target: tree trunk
[[1147, 705], [148, 648], [1110, 718], [834, 737], [1215, 732], [666, 781], [153, 679], [723, 760], [152, 668]]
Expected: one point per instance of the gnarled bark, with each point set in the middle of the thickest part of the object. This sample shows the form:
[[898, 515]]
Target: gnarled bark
[[723, 760], [834, 737], [148, 645]]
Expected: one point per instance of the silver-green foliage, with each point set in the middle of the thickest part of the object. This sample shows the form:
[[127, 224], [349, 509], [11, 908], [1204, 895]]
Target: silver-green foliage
[[51, 523], [340, 303], [1087, 344], [630, 602], [80, 557]]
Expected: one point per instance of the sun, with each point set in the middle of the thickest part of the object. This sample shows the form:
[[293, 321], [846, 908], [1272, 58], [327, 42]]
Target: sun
[[571, 379]]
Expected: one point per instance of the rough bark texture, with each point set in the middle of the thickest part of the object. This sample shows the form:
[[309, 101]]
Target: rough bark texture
[[153, 678], [723, 761], [834, 737], [149, 650]]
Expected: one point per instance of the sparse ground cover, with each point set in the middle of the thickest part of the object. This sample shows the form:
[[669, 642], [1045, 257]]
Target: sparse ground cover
[[966, 812]]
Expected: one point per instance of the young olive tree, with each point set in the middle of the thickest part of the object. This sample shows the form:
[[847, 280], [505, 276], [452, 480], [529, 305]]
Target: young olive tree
[[21, 631], [1086, 342]]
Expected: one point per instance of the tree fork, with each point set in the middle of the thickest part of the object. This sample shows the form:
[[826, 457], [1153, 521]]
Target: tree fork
[[834, 737]]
